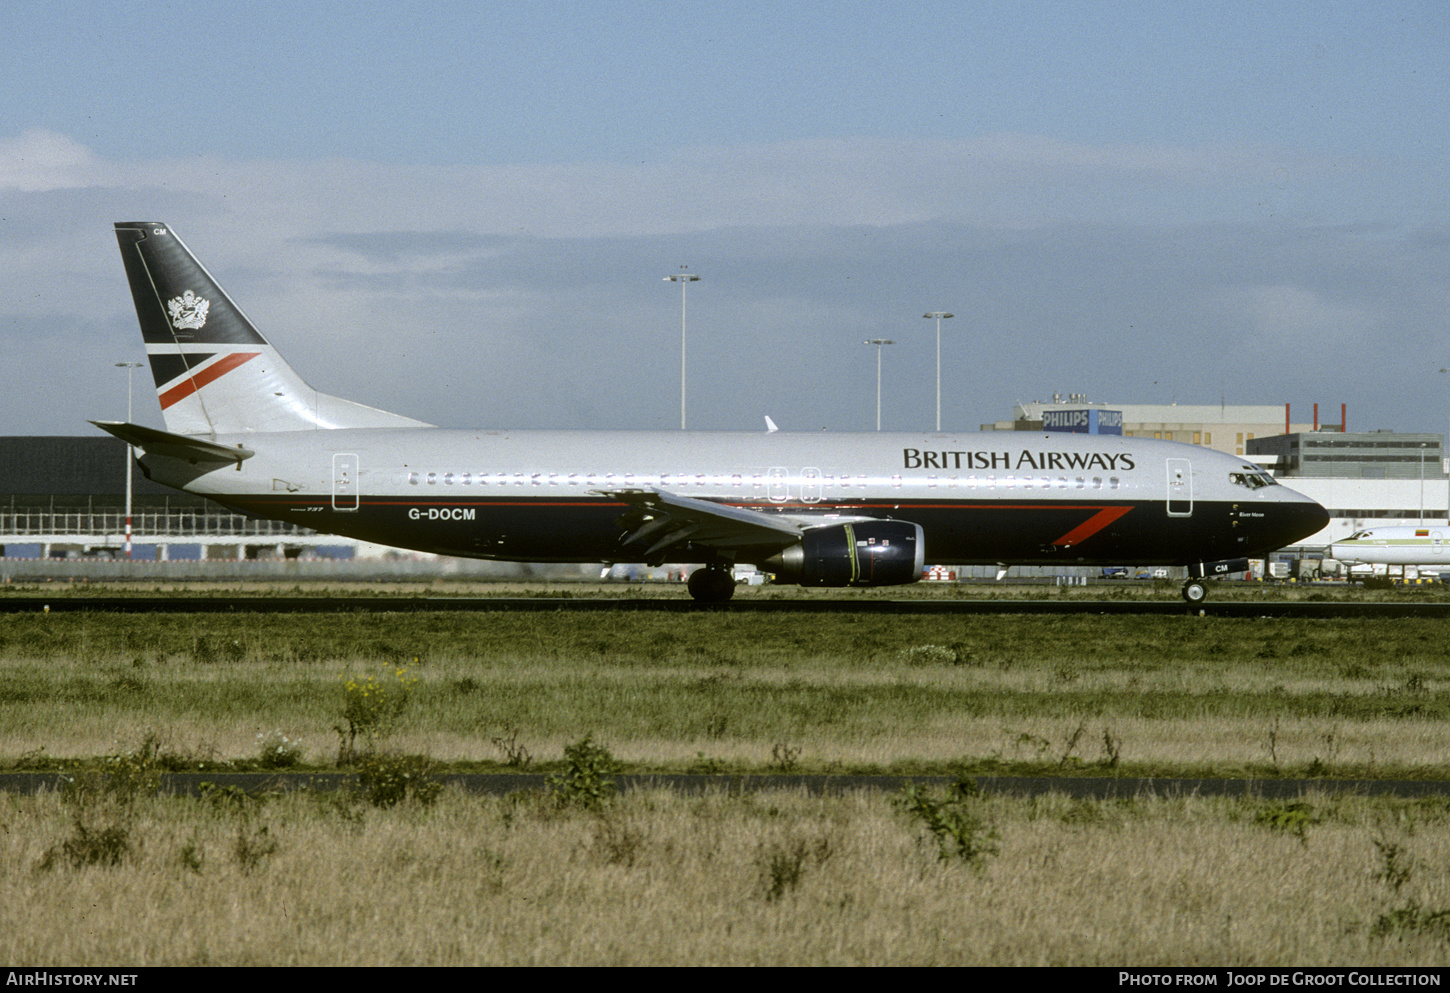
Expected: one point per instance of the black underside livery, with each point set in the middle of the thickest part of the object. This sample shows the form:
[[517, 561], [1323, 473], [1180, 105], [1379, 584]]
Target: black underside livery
[[984, 533]]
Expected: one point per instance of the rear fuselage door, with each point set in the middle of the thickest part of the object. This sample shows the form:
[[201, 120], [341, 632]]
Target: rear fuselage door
[[344, 481], [1180, 488]]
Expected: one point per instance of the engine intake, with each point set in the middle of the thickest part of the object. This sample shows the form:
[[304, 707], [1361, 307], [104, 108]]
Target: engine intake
[[873, 553]]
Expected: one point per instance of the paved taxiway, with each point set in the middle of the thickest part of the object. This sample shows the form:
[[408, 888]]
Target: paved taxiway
[[373, 604]]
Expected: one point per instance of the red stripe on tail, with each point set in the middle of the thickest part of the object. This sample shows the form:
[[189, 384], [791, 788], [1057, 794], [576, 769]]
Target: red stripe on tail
[[209, 374]]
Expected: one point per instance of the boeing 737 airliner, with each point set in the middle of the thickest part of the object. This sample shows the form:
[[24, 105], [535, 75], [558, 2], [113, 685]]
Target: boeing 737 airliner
[[815, 509]]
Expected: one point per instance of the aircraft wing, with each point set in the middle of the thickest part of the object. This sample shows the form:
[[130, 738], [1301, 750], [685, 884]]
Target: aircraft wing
[[658, 520]]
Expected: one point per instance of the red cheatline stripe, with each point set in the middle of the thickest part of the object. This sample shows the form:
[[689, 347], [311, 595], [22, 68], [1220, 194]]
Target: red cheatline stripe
[[208, 374], [1092, 525]]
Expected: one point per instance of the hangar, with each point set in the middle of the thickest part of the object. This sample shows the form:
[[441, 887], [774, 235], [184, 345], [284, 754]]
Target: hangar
[[65, 497]]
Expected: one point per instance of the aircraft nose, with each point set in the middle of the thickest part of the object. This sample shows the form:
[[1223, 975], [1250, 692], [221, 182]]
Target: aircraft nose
[[1299, 519], [1316, 518]]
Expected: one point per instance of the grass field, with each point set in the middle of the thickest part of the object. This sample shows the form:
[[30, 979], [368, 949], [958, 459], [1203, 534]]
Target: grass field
[[1154, 695], [106, 876], [775, 878]]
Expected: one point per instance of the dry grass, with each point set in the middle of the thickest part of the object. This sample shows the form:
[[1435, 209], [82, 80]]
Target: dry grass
[[1233, 714], [773, 878], [769, 879]]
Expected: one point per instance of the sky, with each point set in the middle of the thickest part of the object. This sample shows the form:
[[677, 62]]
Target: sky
[[464, 212]]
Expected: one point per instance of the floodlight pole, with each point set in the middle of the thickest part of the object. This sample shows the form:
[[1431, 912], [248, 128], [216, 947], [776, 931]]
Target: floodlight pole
[[1445, 463], [940, 316], [878, 342], [130, 452], [1423, 446], [684, 279]]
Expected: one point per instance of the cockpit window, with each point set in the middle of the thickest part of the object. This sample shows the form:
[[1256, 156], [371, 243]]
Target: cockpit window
[[1251, 478]]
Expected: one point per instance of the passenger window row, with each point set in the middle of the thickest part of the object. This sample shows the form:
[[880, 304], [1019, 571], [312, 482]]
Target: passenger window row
[[761, 482], [1009, 482], [609, 480]]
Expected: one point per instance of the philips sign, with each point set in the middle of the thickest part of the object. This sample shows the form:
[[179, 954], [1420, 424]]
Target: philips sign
[[1090, 421]]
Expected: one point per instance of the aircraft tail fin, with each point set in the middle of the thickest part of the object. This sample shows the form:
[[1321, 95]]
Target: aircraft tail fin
[[214, 372]]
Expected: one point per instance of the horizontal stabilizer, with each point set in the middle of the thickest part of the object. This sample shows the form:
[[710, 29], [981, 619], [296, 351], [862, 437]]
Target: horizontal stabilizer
[[175, 446]]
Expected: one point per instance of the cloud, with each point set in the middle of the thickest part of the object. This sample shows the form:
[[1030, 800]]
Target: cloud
[[530, 296], [1283, 318], [1008, 180], [37, 160]]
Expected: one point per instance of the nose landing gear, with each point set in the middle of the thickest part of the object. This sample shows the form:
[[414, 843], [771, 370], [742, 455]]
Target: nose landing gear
[[1195, 591]]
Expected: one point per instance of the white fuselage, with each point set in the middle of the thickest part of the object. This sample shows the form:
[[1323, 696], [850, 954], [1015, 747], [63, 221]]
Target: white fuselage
[[984, 497], [1417, 545]]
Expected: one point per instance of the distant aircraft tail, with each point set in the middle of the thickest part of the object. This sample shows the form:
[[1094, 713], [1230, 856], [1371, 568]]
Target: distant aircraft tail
[[215, 373]]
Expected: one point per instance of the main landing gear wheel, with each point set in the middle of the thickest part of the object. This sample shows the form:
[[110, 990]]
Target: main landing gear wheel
[[1194, 591], [711, 585]]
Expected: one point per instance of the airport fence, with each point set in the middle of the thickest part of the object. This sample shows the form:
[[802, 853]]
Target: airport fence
[[37, 524]]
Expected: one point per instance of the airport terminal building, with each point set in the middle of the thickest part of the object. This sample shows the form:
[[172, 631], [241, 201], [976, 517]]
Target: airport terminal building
[[1361, 478], [1222, 427]]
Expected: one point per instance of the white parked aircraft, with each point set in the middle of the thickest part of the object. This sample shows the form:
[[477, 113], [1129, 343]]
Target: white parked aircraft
[[1399, 544], [814, 508]]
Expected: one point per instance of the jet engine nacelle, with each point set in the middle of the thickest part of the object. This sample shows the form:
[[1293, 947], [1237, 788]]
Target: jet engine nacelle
[[873, 553]]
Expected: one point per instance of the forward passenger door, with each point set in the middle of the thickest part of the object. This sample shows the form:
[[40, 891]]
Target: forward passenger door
[[1180, 488]]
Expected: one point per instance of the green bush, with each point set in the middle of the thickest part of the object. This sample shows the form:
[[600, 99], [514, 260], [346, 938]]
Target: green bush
[[371, 709], [277, 751], [89, 846], [585, 780], [960, 832], [388, 780], [252, 846], [1412, 920], [1295, 817]]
